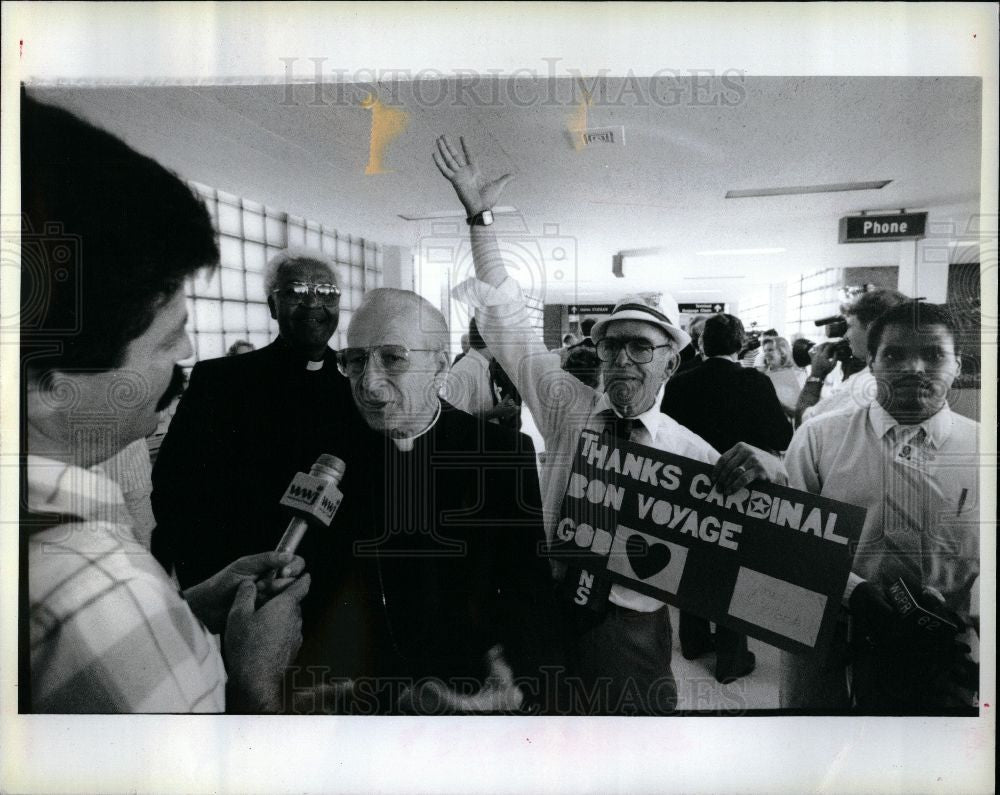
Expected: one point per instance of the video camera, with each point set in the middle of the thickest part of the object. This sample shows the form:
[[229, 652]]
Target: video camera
[[836, 326]]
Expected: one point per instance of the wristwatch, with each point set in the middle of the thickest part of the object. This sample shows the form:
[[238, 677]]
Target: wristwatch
[[485, 218], [814, 379]]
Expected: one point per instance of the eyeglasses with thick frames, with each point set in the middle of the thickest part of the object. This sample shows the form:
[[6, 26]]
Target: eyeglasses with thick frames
[[299, 291], [638, 350], [393, 359]]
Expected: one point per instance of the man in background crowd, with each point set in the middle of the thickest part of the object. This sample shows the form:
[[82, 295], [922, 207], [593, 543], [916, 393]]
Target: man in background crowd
[[857, 389], [691, 356], [104, 629], [464, 342], [470, 388], [725, 404], [913, 464]]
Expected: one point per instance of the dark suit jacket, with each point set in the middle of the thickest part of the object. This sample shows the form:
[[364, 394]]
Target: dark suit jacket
[[446, 546], [725, 403], [243, 428]]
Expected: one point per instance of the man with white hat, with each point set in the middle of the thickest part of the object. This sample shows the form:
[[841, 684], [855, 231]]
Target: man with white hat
[[622, 658]]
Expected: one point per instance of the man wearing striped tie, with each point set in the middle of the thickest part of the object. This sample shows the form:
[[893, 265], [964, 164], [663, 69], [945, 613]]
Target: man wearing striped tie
[[913, 464], [622, 658]]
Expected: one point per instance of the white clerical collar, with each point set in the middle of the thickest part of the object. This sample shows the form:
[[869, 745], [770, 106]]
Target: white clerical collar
[[405, 443], [314, 365]]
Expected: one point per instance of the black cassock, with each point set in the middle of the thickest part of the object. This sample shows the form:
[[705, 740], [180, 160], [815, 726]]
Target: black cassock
[[446, 548]]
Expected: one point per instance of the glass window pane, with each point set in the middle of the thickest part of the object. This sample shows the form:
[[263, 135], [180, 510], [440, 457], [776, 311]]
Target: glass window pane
[[343, 249], [276, 231], [257, 317], [296, 233], [330, 243], [210, 346], [208, 315], [230, 251], [208, 285], [234, 316], [312, 237], [253, 225], [229, 219], [356, 295], [255, 286], [356, 252], [255, 255], [232, 284]]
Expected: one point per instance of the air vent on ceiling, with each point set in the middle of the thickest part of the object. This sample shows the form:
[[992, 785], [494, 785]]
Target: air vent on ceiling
[[798, 190], [604, 135]]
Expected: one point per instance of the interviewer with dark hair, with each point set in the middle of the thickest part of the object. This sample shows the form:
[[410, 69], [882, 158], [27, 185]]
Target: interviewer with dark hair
[[108, 238]]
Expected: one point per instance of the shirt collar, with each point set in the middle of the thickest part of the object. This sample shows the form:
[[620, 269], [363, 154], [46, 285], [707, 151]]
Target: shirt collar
[[650, 418], [936, 428], [57, 487]]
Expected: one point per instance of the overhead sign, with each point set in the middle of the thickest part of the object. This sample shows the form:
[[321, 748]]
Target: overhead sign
[[879, 228], [590, 309], [701, 309], [767, 561]]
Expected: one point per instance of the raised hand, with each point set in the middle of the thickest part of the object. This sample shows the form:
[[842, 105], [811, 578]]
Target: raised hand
[[474, 191]]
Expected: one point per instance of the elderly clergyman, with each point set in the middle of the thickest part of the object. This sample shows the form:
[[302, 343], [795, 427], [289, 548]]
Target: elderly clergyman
[[630, 648], [456, 601]]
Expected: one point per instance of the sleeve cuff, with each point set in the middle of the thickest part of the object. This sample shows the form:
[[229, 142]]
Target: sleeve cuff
[[479, 294], [853, 581]]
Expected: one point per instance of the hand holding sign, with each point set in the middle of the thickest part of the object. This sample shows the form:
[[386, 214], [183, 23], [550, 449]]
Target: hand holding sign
[[742, 464], [761, 559]]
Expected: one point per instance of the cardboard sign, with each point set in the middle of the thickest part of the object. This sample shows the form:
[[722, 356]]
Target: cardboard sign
[[767, 561]]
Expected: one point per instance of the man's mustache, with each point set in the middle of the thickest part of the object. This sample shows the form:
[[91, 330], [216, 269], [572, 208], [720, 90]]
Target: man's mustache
[[178, 381]]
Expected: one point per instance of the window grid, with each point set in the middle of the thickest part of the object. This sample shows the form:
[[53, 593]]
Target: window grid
[[231, 305], [811, 297]]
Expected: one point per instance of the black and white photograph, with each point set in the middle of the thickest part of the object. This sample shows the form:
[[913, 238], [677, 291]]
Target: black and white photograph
[[554, 398]]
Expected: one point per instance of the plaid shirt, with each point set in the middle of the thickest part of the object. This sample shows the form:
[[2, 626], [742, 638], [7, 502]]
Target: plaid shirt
[[109, 631]]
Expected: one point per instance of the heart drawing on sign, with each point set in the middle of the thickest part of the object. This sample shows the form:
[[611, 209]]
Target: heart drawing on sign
[[645, 559]]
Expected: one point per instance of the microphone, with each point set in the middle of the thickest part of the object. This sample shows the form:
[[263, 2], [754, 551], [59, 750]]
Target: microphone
[[314, 498]]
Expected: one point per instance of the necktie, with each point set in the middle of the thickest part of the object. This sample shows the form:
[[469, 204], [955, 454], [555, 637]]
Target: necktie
[[907, 507], [619, 427]]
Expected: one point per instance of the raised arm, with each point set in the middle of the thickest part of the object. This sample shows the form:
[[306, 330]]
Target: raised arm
[[550, 393]]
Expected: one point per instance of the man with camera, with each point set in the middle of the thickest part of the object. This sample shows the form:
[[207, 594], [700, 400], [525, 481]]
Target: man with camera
[[857, 389], [914, 466]]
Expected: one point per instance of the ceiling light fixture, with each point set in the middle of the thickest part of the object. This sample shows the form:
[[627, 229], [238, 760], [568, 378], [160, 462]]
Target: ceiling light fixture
[[740, 252], [798, 190]]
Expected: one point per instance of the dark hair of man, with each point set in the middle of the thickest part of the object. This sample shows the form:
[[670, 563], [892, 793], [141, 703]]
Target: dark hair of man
[[722, 335], [475, 338], [586, 325], [771, 332], [108, 235], [916, 316], [868, 306]]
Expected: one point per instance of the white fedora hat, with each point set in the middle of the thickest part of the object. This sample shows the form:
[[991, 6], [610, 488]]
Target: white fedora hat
[[632, 307]]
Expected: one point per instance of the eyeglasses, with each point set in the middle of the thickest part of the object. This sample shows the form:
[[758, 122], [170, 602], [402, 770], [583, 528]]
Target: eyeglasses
[[393, 359], [638, 350], [299, 291]]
